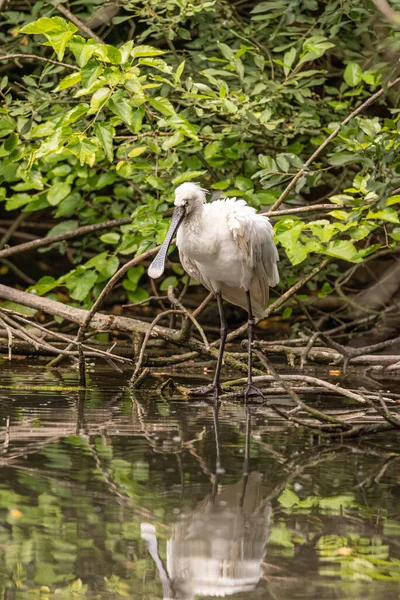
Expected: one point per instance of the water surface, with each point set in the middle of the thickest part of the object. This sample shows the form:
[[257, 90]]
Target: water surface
[[114, 494]]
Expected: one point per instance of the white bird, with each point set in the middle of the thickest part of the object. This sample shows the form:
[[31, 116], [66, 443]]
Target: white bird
[[229, 248]]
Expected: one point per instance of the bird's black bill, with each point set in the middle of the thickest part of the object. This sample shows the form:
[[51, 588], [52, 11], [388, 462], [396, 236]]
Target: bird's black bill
[[157, 267]]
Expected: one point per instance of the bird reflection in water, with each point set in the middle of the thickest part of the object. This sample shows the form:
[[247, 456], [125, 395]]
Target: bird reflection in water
[[218, 548]]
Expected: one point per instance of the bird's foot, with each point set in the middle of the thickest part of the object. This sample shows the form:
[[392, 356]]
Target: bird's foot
[[252, 392], [206, 390]]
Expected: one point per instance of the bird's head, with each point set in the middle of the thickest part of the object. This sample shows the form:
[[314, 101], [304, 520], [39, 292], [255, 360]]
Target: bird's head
[[188, 197]]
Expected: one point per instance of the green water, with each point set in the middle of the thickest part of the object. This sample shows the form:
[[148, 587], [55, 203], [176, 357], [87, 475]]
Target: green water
[[109, 494]]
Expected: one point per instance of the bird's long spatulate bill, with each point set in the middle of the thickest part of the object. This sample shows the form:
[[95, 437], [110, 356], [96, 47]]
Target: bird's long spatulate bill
[[157, 267]]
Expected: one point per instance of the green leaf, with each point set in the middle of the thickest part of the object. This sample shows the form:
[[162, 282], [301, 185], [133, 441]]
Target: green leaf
[[395, 234], [18, 200], [173, 140], [105, 264], [73, 115], [288, 498], [393, 200], [121, 107], [162, 105], [172, 280], [58, 192], [227, 52], [68, 81], [82, 49], [156, 63], [343, 249], [11, 142], [188, 176], [85, 150], [386, 214], [57, 30], [43, 286], [352, 74], [134, 274], [180, 123], [314, 48], [6, 127], [140, 51], [90, 72], [110, 237], [98, 99], [138, 295], [126, 51], [48, 24], [80, 283], [137, 119], [156, 182], [343, 158], [105, 133], [288, 60], [62, 227], [289, 238], [179, 71], [137, 151]]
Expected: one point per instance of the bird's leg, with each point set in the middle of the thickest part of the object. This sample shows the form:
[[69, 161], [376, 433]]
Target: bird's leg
[[215, 388], [251, 390]]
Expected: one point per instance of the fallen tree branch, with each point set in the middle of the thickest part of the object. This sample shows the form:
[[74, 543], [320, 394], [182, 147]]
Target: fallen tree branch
[[9, 337], [58, 336], [317, 414], [323, 354], [305, 379]]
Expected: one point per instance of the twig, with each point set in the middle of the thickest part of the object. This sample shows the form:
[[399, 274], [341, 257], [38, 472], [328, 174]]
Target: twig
[[9, 336], [303, 378], [40, 58], [59, 336], [13, 227], [23, 276], [310, 344], [300, 209], [41, 242], [175, 302], [311, 411], [325, 143], [323, 354], [381, 407], [145, 342], [69, 15]]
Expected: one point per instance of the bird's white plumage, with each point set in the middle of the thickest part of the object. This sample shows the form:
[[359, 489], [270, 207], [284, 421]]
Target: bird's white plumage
[[227, 246]]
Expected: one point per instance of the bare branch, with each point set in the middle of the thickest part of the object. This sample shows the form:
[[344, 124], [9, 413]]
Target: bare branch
[[39, 58], [67, 235]]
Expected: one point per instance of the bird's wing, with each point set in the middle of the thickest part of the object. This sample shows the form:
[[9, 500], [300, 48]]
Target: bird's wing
[[191, 268], [253, 235]]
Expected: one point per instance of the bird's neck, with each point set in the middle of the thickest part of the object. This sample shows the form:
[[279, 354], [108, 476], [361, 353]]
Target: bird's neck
[[194, 218]]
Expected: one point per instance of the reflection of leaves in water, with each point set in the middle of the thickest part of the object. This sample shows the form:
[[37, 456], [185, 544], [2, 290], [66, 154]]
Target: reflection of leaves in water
[[333, 504], [364, 558], [351, 556]]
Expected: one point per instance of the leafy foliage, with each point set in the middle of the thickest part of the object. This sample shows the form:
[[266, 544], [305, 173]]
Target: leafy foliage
[[240, 111]]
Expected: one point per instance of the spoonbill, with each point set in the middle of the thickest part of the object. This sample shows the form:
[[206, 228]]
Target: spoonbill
[[229, 248]]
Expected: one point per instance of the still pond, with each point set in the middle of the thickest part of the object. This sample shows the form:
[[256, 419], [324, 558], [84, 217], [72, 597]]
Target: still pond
[[110, 493]]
